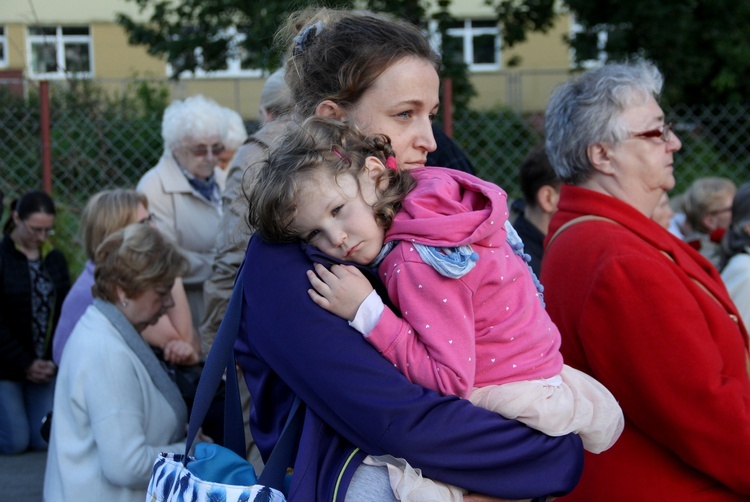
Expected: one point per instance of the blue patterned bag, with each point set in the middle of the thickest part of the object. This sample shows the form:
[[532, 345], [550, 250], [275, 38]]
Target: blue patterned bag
[[171, 481]]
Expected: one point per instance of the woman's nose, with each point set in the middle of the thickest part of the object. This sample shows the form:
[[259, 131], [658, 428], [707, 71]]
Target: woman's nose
[[426, 139], [674, 142]]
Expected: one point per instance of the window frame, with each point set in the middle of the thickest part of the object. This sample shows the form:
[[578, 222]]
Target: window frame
[[601, 44], [468, 32], [59, 40], [3, 47], [234, 62]]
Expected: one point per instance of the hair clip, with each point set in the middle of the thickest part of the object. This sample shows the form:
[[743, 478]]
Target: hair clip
[[304, 39], [391, 163], [336, 152]]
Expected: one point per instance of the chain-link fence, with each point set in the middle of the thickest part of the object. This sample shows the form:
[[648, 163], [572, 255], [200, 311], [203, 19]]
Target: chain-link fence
[[95, 148]]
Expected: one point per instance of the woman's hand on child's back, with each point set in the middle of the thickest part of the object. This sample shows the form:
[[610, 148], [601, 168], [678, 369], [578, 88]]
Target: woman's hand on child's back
[[340, 290]]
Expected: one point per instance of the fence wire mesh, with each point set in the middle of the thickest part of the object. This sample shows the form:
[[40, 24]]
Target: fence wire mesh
[[94, 148]]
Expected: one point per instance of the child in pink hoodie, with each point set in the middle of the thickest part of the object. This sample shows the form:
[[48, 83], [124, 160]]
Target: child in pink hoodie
[[470, 317]]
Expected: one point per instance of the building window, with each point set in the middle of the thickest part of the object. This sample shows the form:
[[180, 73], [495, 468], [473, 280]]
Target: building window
[[59, 51], [3, 48], [599, 55], [477, 43], [232, 67]]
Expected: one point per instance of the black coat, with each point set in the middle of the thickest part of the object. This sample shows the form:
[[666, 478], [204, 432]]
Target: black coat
[[16, 341]]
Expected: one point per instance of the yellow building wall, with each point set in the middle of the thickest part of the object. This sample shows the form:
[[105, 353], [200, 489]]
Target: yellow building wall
[[15, 34], [542, 50], [115, 58]]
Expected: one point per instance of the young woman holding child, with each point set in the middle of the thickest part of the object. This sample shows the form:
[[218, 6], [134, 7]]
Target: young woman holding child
[[379, 74], [442, 244]]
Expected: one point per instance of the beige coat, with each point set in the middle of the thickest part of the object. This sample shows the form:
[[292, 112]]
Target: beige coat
[[183, 215]]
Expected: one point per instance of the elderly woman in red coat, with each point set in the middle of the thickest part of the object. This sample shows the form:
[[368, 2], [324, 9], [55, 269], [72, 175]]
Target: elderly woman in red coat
[[638, 309]]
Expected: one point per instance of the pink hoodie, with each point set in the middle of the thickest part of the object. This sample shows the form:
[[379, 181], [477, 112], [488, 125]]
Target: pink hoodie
[[488, 327]]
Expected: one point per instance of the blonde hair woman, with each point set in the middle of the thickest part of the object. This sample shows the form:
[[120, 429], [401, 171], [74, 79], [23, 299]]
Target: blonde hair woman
[[105, 213]]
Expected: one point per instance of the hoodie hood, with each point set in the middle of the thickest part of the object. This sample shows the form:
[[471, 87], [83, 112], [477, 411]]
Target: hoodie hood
[[449, 208]]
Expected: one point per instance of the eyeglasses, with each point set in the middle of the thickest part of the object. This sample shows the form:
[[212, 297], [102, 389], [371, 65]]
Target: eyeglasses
[[148, 219], [40, 232], [202, 150], [664, 132]]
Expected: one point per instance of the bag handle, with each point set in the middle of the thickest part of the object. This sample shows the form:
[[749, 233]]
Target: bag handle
[[219, 359]]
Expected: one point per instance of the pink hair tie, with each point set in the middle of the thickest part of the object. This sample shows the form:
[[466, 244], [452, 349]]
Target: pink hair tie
[[335, 151], [391, 163]]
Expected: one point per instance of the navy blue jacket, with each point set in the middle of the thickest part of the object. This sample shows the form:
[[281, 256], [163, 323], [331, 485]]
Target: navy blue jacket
[[358, 403]]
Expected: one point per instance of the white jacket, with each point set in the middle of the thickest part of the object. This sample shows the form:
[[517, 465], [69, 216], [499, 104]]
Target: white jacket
[[110, 421]]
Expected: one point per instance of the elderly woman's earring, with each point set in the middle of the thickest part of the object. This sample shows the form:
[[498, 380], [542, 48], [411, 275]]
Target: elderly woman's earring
[[124, 304]]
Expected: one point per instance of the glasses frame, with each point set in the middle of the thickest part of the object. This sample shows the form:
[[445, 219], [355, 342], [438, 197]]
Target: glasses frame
[[202, 150], [663, 132]]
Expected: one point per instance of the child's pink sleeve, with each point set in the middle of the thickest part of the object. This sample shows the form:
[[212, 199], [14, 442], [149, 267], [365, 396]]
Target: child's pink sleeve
[[433, 342]]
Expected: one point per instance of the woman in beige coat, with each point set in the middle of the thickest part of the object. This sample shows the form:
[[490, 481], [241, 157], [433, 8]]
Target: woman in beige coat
[[182, 191]]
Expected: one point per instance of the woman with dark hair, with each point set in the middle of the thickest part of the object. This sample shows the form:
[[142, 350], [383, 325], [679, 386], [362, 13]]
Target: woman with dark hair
[[34, 280], [735, 253]]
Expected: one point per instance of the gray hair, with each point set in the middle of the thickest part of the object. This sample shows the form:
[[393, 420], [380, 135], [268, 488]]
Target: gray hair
[[194, 118], [587, 110], [236, 133], [702, 197], [276, 98]]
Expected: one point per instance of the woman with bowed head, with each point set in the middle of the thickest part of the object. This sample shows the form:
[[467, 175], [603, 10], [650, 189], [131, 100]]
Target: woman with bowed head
[[638, 309], [105, 213], [182, 191], [381, 75], [116, 407], [34, 280]]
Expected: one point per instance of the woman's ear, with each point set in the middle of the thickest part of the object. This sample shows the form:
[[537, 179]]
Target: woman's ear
[[328, 108], [122, 298], [600, 158]]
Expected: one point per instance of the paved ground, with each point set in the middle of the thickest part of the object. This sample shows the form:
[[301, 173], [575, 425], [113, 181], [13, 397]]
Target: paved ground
[[22, 477]]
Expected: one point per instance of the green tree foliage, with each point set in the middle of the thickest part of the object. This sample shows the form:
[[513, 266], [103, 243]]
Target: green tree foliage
[[518, 17], [700, 45], [198, 34]]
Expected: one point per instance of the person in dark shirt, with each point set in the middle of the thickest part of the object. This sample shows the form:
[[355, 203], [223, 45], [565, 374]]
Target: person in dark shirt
[[541, 190], [448, 153]]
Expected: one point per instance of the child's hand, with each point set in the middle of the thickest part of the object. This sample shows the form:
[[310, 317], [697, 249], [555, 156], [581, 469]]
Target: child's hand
[[340, 290]]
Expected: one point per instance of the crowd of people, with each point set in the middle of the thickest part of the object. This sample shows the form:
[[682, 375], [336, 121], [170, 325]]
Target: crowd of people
[[588, 341]]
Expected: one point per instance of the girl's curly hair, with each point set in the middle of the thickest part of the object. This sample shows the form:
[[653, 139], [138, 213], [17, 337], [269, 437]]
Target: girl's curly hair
[[319, 143]]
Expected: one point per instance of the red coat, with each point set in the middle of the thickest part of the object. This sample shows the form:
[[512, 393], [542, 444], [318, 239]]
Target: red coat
[[649, 317]]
